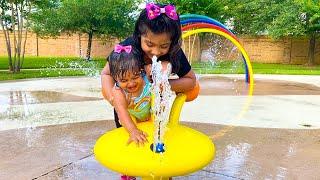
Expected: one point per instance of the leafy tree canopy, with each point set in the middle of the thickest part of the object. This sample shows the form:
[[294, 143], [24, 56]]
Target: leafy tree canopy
[[274, 17], [211, 8], [103, 17]]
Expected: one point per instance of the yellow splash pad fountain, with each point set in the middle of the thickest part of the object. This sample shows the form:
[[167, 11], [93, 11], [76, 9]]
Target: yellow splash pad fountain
[[186, 150]]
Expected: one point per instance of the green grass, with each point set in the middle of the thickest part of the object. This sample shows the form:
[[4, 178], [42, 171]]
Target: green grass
[[53, 62], [40, 67], [237, 67], [285, 69], [25, 74]]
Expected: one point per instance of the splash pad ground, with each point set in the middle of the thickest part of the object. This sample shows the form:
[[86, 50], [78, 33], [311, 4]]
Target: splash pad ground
[[48, 128]]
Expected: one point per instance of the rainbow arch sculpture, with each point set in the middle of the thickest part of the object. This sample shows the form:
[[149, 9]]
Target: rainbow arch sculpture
[[194, 23]]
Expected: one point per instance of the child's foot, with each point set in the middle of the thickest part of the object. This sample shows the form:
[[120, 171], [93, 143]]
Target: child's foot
[[125, 177]]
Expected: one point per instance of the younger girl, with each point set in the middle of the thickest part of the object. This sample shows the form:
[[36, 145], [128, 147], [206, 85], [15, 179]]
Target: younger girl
[[133, 90], [132, 95]]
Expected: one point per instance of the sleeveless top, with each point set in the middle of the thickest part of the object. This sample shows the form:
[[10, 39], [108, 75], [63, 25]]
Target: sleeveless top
[[140, 107]]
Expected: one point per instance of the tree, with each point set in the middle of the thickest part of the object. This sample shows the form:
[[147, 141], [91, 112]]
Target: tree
[[211, 8], [103, 18], [287, 18], [311, 9], [44, 20], [13, 20]]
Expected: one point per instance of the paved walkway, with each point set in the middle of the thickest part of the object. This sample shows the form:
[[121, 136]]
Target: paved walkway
[[49, 126]]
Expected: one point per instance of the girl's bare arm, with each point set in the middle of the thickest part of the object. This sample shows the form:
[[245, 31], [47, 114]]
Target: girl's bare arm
[[117, 99], [121, 106], [185, 83], [107, 83]]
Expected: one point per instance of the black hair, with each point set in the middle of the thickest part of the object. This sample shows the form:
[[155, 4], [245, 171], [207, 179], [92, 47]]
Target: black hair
[[123, 62], [161, 24]]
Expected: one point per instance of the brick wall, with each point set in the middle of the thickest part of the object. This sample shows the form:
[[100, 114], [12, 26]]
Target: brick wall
[[64, 45], [294, 51], [259, 49]]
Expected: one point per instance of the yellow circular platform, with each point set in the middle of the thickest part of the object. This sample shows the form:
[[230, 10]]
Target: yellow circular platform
[[186, 150]]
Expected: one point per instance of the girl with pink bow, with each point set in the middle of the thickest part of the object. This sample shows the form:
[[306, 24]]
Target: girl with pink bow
[[131, 91], [157, 32]]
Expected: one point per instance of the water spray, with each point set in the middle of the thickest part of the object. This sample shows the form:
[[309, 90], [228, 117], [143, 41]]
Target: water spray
[[162, 98]]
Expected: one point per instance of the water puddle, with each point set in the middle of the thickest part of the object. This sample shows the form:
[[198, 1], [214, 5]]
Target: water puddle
[[39, 97]]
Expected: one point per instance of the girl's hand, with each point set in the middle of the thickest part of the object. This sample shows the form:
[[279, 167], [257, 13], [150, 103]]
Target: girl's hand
[[137, 136]]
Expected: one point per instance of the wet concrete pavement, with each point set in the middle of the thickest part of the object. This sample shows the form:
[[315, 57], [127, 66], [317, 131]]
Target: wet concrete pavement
[[48, 128]]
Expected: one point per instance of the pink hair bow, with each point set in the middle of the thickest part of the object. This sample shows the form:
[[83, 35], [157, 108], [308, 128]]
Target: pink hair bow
[[118, 48], [154, 11]]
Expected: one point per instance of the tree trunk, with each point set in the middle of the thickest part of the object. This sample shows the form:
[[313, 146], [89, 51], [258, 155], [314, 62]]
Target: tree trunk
[[8, 44], [37, 42], [80, 46], [28, 3], [25, 35], [89, 45], [18, 13], [312, 47], [202, 45], [24, 46], [13, 11], [290, 58], [19, 40]]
